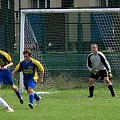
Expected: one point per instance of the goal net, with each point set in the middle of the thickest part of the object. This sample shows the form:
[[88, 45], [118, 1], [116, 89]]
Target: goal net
[[61, 38]]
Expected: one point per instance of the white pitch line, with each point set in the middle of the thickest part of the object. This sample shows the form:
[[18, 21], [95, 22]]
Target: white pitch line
[[41, 92]]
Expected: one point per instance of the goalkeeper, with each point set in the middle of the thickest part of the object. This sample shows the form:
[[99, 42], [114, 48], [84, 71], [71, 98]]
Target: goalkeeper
[[29, 68], [99, 67]]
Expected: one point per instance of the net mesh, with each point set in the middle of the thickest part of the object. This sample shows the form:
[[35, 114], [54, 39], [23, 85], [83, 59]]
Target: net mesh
[[7, 28], [31, 43], [109, 27], [61, 41]]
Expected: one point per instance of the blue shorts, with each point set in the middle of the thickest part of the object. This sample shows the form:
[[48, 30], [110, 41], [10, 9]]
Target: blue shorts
[[6, 77], [29, 83]]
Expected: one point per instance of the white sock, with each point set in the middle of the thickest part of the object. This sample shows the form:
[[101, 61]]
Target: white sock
[[4, 104]]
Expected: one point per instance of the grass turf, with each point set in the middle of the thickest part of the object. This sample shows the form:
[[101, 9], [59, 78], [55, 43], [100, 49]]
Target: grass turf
[[64, 105]]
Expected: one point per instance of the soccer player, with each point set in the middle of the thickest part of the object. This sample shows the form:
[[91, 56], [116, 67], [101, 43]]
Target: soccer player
[[5, 105], [99, 67], [5, 74], [30, 67]]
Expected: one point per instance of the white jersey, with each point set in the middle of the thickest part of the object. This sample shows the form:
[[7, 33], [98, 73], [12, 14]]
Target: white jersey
[[98, 62]]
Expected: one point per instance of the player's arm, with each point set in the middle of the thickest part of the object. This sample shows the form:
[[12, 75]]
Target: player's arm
[[107, 65], [89, 63], [105, 62], [8, 65], [13, 72], [41, 68], [8, 60], [17, 69], [90, 67], [41, 77]]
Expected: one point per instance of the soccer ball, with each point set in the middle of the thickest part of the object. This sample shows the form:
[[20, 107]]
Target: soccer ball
[[49, 44]]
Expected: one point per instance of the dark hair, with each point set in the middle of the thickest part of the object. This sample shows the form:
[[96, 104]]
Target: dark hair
[[27, 52], [94, 44]]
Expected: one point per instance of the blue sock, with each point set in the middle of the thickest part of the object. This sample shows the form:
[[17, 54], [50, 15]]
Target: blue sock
[[31, 98], [36, 96], [18, 94]]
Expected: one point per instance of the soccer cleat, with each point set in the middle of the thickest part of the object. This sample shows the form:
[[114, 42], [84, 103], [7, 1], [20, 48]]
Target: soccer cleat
[[31, 105], [37, 102], [114, 95], [10, 110], [90, 96], [21, 101]]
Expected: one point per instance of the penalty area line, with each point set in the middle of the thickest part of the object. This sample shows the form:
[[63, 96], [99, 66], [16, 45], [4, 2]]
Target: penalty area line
[[41, 92]]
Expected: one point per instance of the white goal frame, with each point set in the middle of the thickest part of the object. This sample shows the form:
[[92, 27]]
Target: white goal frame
[[27, 11]]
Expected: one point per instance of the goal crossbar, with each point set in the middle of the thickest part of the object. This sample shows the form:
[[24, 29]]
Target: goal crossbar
[[25, 11]]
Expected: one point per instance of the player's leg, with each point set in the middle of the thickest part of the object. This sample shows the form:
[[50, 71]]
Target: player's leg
[[91, 87], [92, 79], [109, 85], [31, 85], [2, 101], [31, 97], [15, 88], [10, 81], [30, 92], [5, 105], [37, 98], [104, 76]]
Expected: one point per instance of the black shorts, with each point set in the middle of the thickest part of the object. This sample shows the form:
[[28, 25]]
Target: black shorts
[[101, 73]]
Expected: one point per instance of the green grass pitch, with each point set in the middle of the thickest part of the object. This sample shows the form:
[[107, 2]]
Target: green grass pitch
[[64, 105]]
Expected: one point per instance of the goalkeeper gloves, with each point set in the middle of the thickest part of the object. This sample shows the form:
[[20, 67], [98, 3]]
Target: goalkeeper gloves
[[95, 72], [110, 75]]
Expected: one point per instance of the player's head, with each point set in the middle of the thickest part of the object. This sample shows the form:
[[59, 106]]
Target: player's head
[[27, 55], [94, 48]]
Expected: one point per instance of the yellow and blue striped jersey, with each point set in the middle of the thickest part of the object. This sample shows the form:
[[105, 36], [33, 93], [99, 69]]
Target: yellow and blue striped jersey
[[4, 58], [29, 69]]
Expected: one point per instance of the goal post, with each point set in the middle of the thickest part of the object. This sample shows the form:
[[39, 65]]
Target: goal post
[[61, 38], [22, 22]]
